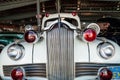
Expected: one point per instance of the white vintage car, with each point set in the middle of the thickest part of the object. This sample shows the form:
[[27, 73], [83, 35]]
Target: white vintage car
[[63, 50]]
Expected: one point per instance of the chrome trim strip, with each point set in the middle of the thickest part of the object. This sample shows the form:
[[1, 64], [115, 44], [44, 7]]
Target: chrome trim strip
[[84, 69], [31, 70]]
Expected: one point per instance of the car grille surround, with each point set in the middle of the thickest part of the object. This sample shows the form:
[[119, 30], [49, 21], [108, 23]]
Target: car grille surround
[[60, 51]]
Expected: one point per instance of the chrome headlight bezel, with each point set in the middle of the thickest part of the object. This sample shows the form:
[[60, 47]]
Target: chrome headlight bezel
[[15, 51], [106, 50]]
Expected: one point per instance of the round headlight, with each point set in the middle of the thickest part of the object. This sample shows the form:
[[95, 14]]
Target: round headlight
[[17, 73], [89, 35], [105, 74], [31, 36], [15, 51], [106, 50]]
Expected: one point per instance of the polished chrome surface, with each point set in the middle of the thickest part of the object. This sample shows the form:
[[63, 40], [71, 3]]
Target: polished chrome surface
[[31, 70], [60, 50], [90, 69]]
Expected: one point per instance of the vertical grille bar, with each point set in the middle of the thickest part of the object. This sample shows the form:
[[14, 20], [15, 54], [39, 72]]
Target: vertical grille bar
[[60, 54]]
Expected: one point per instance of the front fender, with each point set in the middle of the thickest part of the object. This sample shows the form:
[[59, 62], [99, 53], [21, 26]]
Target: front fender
[[26, 59]]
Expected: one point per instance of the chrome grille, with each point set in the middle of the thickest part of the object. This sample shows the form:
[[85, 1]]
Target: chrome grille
[[60, 50], [31, 70], [83, 69]]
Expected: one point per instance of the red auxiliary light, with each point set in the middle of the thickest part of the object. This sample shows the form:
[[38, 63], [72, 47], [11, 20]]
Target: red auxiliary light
[[47, 14], [30, 36], [74, 13], [105, 74], [17, 74], [89, 35]]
